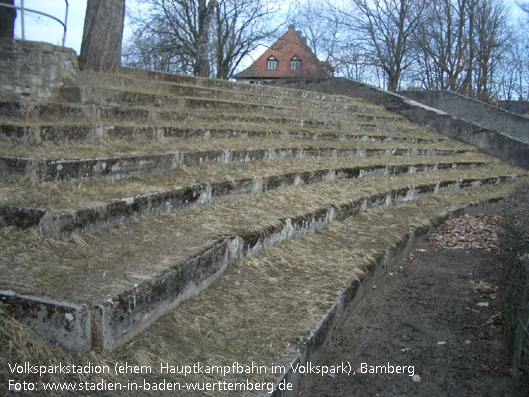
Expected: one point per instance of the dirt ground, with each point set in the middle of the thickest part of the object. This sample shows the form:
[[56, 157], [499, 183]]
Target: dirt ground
[[435, 310]]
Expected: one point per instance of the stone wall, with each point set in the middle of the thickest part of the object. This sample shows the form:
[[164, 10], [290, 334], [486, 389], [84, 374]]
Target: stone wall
[[507, 148], [475, 111], [34, 70]]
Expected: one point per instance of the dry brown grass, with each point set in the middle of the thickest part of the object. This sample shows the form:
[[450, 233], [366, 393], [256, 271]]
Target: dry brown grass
[[107, 147], [112, 260], [26, 191], [261, 307]]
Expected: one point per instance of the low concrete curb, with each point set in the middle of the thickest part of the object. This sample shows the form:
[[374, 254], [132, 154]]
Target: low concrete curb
[[120, 318], [314, 345], [60, 225], [122, 167], [481, 113], [89, 132], [20, 216], [163, 94], [64, 323]]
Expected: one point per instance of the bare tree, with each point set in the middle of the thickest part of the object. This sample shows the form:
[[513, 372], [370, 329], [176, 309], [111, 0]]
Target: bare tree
[[524, 6], [491, 38], [513, 70], [384, 29], [102, 35], [169, 35], [329, 37], [239, 27], [441, 50]]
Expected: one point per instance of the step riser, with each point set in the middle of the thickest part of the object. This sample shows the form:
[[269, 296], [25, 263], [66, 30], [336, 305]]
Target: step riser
[[66, 324], [51, 112], [119, 319], [60, 225], [169, 96], [174, 84], [117, 168], [157, 77], [91, 133]]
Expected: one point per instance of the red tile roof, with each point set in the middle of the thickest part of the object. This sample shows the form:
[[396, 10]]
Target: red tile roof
[[290, 45]]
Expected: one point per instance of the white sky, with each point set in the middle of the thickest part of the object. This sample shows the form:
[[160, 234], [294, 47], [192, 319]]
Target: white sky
[[40, 28]]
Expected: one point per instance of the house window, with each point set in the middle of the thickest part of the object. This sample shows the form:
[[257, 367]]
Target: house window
[[272, 63], [295, 63]]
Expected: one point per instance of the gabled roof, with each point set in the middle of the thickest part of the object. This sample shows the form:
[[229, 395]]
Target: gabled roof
[[290, 45]]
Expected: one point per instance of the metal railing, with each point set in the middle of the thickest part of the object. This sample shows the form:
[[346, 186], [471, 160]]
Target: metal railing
[[22, 9]]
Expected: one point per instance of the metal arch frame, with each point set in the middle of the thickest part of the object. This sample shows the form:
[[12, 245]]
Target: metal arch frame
[[22, 8]]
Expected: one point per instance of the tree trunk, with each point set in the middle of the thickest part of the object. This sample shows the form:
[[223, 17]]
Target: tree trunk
[[102, 35], [205, 16], [7, 20]]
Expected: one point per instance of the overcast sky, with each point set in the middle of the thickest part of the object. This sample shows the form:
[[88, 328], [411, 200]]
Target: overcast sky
[[40, 28]]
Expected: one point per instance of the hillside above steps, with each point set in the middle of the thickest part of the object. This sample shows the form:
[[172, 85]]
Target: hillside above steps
[[145, 189]]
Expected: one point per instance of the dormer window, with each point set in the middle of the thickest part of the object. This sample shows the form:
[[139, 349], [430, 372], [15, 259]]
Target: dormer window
[[272, 63], [295, 63]]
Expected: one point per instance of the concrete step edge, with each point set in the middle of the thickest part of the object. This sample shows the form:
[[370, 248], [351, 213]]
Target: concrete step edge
[[32, 133], [61, 224], [127, 166]]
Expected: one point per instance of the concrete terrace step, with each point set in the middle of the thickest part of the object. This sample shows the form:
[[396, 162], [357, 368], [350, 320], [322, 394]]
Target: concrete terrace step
[[123, 167], [126, 302], [171, 94], [228, 126], [100, 253], [127, 146], [185, 109], [27, 191], [282, 306], [108, 214], [128, 76]]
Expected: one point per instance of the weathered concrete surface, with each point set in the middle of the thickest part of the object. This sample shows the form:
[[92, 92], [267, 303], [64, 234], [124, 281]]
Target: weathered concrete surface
[[63, 323], [122, 167], [20, 216], [34, 70], [116, 320], [481, 113], [187, 109], [89, 132], [123, 316], [314, 345], [160, 94], [509, 149], [131, 75], [60, 225]]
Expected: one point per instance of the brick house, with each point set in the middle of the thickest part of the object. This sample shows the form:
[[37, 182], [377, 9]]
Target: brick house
[[288, 58]]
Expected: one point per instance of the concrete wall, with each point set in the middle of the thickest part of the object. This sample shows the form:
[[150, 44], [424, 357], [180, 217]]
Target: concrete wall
[[34, 70], [509, 149], [478, 112]]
